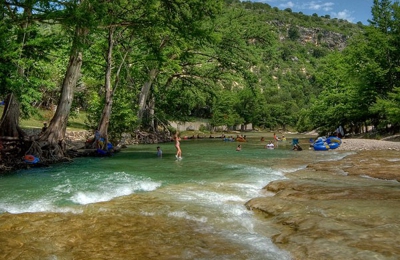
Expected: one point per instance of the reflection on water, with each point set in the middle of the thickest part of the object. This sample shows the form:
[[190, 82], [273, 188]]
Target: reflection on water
[[137, 206]]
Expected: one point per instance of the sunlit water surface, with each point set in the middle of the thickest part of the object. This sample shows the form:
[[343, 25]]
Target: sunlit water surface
[[190, 209]]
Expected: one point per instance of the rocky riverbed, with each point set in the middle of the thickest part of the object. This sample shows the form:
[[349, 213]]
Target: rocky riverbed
[[346, 209], [368, 145]]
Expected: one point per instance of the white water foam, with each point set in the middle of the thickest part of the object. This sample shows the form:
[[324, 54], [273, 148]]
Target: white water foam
[[377, 179], [35, 206], [185, 215], [117, 185], [262, 244], [393, 160], [60, 198], [228, 216], [64, 188], [295, 169], [334, 156], [227, 198], [247, 183], [145, 213]]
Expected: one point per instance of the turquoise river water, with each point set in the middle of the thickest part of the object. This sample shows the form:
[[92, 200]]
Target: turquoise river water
[[188, 209]]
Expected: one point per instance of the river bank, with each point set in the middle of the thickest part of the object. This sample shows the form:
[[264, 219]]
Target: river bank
[[368, 145], [346, 209]]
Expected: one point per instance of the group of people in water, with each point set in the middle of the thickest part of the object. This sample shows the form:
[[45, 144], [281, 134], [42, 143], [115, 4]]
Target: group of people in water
[[273, 144], [270, 145]]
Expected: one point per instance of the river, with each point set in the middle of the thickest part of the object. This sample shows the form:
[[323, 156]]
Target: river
[[135, 205]]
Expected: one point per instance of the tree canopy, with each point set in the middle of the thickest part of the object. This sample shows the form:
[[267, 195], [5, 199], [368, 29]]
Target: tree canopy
[[134, 64]]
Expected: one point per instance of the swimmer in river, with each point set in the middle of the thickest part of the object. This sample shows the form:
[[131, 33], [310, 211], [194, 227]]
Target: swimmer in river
[[178, 146]]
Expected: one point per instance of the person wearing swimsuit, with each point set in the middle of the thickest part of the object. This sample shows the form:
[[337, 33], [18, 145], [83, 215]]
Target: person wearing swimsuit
[[178, 146]]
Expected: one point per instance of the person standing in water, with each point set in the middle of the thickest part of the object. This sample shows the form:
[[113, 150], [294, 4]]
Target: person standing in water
[[178, 146], [159, 151], [276, 139]]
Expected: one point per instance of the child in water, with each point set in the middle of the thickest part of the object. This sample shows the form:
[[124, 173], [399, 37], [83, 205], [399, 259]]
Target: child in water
[[270, 145], [159, 151]]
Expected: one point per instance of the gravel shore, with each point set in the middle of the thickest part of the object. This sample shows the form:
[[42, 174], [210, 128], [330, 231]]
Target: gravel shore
[[368, 144]]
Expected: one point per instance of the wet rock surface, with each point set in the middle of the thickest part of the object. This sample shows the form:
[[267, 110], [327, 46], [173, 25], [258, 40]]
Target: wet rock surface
[[346, 209], [116, 229]]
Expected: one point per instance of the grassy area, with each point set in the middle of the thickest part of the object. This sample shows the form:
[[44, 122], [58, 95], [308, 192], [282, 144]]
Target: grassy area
[[36, 121]]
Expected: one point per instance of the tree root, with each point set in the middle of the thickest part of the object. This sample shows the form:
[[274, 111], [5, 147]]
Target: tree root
[[35, 150], [47, 153]]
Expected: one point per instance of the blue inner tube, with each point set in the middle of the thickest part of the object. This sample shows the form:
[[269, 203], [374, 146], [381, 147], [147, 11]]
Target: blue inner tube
[[109, 146], [334, 139], [101, 152], [321, 147], [333, 145], [31, 159]]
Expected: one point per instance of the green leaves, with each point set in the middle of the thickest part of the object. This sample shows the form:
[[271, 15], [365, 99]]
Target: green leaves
[[389, 108], [234, 63]]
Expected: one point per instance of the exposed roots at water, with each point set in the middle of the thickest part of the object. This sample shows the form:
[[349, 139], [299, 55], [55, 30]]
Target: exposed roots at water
[[35, 150], [14, 151]]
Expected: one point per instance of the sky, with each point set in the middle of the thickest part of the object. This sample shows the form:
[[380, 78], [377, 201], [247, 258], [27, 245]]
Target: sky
[[351, 10]]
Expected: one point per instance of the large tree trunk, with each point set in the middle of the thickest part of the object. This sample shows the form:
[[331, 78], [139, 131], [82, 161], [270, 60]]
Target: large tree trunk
[[144, 94], [55, 133], [152, 105], [106, 114], [109, 90], [9, 125], [58, 124]]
